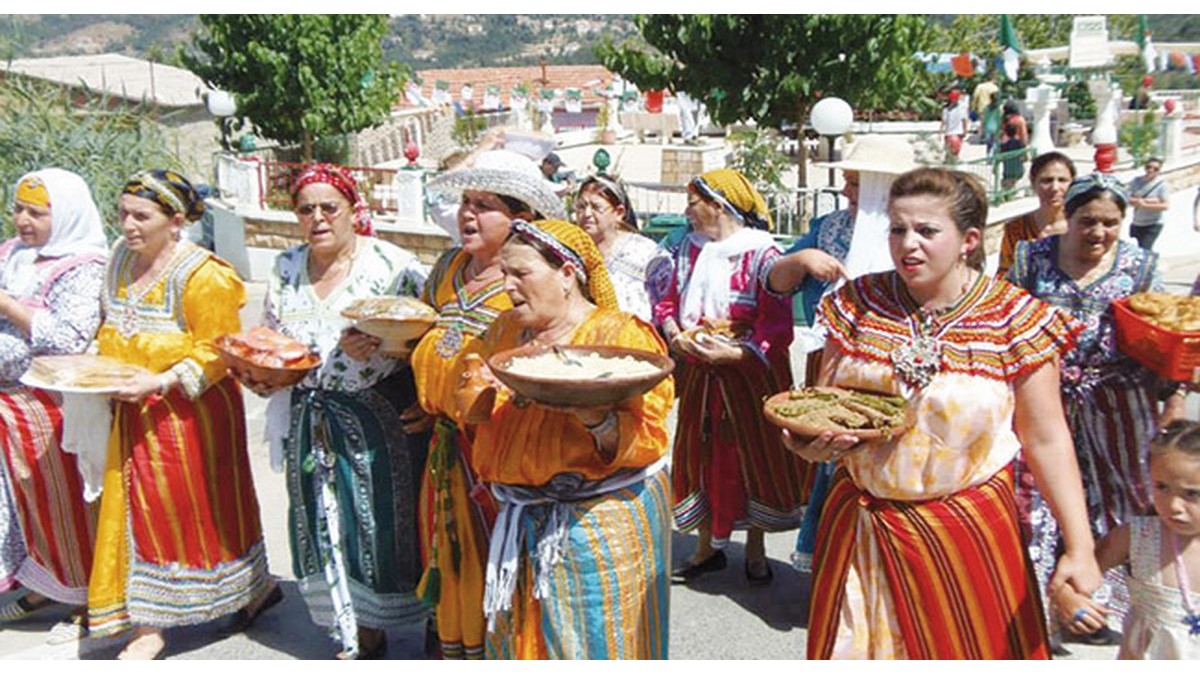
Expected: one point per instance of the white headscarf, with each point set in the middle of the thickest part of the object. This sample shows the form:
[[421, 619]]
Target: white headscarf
[[868, 251], [75, 229]]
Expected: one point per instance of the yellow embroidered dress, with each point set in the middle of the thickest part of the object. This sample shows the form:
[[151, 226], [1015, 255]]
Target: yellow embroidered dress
[[179, 539], [454, 525]]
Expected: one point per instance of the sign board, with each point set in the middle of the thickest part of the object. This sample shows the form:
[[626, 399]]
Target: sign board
[[1089, 43]]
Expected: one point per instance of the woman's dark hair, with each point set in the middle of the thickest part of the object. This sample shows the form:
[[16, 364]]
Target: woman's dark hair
[[1046, 159], [963, 193], [613, 191], [1180, 435], [1010, 107], [517, 207], [551, 258]]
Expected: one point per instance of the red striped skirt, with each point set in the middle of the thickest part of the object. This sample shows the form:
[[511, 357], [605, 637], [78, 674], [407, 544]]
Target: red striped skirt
[[178, 480], [729, 464], [961, 586], [58, 526]]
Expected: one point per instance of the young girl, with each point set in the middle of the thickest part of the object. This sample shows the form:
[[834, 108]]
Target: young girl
[[1163, 557]]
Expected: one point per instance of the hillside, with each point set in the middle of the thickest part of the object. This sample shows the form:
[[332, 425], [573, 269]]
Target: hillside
[[422, 41]]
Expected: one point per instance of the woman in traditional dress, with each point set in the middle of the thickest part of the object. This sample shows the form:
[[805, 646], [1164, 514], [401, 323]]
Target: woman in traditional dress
[[577, 565], [179, 540], [352, 474], [51, 276], [1050, 174], [466, 286], [640, 271], [730, 469], [1111, 402], [918, 552]]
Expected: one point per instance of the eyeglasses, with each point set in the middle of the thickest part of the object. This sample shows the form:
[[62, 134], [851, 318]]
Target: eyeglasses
[[599, 209], [330, 209]]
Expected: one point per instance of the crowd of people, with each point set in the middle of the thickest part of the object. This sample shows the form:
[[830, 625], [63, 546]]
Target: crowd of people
[[421, 491]]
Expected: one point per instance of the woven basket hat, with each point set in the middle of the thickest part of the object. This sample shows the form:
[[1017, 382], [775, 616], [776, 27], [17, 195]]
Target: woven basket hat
[[876, 153], [507, 173]]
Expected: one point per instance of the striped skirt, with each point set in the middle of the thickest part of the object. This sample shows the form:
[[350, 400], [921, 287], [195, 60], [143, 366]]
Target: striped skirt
[[941, 579], [454, 540], [353, 480], [58, 526], [609, 598], [728, 463], [179, 540]]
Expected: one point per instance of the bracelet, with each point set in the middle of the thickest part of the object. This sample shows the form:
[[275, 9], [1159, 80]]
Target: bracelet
[[1181, 392]]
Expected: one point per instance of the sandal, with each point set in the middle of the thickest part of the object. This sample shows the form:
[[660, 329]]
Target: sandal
[[243, 619], [136, 649], [22, 607]]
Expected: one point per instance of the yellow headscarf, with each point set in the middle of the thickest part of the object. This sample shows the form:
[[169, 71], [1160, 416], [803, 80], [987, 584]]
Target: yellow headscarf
[[731, 189], [31, 190], [571, 244]]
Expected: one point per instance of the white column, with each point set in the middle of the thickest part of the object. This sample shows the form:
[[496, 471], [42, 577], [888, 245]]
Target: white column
[[1041, 100], [409, 185]]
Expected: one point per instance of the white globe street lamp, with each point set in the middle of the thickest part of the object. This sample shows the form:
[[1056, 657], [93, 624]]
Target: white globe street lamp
[[831, 117]]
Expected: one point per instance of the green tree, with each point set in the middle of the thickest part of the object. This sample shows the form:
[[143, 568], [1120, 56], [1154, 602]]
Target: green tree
[[299, 78], [772, 68], [978, 33]]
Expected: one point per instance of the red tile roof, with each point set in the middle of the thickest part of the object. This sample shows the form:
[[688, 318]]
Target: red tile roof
[[584, 77]]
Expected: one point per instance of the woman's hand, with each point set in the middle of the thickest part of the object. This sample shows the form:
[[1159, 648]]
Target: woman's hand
[[1078, 569], [357, 344], [828, 447], [415, 420], [244, 376], [135, 388], [817, 263], [713, 350]]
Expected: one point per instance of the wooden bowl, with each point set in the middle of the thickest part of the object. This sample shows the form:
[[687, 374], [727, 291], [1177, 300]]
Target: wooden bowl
[[273, 377], [395, 320], [798, 428], [580, 390]]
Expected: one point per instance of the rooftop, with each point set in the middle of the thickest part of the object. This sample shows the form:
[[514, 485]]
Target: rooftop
[[117, 75]]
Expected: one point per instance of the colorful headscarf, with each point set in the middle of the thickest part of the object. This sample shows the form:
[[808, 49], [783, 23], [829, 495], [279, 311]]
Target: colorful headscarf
[[735, 194], [570, 244], [168, 189], [343, 182], [1096, 182], [32, 190]]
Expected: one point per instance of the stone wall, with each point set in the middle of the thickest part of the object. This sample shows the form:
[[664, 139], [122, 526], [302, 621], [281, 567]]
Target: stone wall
[[680, 164], [282, 234]]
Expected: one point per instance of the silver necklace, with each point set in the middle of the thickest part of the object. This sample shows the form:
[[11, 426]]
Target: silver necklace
[[919, 359]]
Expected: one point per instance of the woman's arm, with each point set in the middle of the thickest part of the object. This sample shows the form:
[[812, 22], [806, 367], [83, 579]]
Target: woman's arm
[[1042, 429]]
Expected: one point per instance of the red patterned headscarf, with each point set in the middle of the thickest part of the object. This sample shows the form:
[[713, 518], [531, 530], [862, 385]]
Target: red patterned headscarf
[[344, 183]]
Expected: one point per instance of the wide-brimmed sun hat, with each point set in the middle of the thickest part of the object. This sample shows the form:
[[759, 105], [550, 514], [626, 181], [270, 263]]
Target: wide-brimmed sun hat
[[876, 153], [507, 173]]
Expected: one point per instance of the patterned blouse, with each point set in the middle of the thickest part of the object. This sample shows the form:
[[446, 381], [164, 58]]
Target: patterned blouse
[[293, 308], [769, 315], [639, 270], [66, 298], [1134, 269], [963, 419]]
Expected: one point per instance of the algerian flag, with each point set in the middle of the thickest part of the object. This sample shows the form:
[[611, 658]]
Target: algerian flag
[[1149, 54], [1011, 56]]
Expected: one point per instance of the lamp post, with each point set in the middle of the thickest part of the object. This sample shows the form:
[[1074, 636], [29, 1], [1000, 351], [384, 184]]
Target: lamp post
[[221, 104], [831, 117]]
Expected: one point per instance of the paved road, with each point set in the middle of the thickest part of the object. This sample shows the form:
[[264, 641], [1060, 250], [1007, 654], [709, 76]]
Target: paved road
[[720, 616]]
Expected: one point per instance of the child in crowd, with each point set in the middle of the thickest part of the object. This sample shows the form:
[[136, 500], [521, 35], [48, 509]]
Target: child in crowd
[[1162, 558]]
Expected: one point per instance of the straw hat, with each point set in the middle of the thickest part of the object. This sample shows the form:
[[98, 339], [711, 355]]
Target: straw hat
[[507, 173], [881, 154]]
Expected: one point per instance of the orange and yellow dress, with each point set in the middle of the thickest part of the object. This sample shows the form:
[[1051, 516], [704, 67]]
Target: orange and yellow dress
[[179, 539], [918, 552], [456, 513], [578, 562]]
